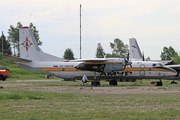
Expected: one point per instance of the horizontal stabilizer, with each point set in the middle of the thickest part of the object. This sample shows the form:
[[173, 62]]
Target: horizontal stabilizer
[[17, 59]]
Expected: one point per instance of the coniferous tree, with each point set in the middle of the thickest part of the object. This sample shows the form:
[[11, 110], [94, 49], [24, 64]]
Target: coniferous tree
[[68, 54], [6, 46], [100, 51]]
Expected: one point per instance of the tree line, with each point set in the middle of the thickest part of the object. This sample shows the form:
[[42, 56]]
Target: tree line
[[11, 43], [119, 49]]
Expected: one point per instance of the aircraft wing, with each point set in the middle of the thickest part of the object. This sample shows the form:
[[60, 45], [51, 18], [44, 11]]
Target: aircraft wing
[[101, 65], [17, 59], [90, 60], [93, 64], [175, 67]]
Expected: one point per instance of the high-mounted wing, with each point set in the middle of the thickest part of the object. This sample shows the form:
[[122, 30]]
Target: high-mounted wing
[[102, 65], [90, 60], [175, 67]]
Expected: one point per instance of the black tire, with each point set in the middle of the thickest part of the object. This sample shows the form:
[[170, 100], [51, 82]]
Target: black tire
[[3, 78], [159, 83], [92, 83], [173, 82], [113, 82], [98, 84], [95, 83]]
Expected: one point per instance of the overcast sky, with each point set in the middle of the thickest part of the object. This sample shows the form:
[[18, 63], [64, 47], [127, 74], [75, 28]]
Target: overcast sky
[[154, 23]]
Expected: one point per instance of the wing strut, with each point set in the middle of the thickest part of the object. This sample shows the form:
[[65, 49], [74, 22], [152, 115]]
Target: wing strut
[[94, 75]]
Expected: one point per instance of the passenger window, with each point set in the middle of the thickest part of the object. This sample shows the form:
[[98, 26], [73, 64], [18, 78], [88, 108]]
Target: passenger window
[[154, 65]]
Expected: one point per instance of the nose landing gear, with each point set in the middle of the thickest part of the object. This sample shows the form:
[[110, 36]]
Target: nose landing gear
[[159, 83]]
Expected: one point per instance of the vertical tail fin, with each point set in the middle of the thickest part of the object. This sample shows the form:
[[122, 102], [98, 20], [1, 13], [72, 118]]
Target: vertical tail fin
[[135, 51], [29, 48]]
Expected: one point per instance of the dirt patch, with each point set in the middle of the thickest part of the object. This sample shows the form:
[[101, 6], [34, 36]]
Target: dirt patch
[[124, 90], [93, 90]]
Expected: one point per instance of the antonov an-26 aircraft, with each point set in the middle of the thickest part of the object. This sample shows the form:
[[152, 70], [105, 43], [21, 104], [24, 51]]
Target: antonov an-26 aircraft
[[136, 55], [32, 58]]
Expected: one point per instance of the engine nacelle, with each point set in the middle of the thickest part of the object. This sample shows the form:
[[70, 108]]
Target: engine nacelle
[[113, 67], [80, 66]]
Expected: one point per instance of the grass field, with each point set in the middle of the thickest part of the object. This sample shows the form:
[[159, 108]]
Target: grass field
[[32, 100], [19, 73]]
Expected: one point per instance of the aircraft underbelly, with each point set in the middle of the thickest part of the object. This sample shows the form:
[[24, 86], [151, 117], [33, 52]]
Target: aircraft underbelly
[[138, 73], [114, 75]]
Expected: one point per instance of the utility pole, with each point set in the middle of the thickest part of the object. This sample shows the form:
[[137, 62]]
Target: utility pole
[[2, 41], [80, 31]]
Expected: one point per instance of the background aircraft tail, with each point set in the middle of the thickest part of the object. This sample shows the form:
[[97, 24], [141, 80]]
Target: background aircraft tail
[[135, 51], [29, 48]]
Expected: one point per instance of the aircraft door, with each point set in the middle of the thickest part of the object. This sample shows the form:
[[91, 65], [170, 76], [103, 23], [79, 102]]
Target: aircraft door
[[142, 70], [113, 64]]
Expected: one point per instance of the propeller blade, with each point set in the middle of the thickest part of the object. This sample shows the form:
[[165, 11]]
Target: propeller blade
[[143, 57], [128, 56], [127, 62]]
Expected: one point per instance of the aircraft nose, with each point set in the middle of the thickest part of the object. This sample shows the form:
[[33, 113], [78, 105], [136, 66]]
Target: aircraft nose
[[172, 72]]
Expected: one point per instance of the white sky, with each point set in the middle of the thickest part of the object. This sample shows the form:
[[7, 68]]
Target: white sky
[[154, 23]]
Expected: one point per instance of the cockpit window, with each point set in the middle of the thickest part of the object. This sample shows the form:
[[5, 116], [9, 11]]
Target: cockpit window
[[161, 65], [154, 65], [157, 64]]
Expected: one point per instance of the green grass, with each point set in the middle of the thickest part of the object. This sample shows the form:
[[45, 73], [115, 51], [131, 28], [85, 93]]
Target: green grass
[[19, 103], [19, 73]]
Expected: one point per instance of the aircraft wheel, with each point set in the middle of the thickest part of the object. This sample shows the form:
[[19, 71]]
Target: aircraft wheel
[[95, 83], [159, 83], [173, 82], [113, 82]]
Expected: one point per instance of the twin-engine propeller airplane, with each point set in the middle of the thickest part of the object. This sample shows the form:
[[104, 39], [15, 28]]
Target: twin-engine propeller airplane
[[96, 69], [136, 55]]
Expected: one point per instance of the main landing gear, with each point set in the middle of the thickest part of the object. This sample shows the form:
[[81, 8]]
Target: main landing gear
[[95, 82], [113, 82]]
